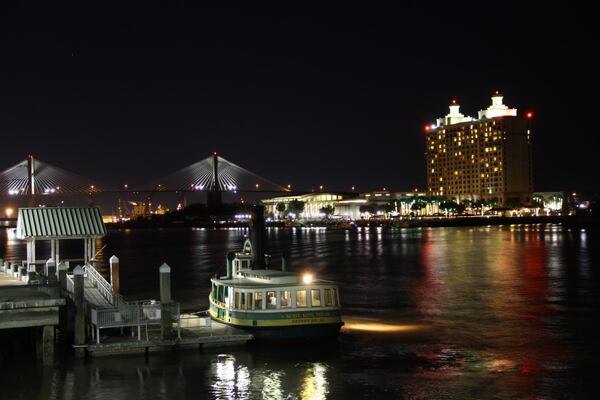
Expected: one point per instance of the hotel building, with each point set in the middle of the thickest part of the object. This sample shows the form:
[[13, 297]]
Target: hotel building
[[485, 158]]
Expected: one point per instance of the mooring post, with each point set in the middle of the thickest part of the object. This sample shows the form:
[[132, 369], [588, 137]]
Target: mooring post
[[50, 271], [48, 345], [31, 275], [165, 301], [62, 282], [79, 301], [22, 272], [115, 280]]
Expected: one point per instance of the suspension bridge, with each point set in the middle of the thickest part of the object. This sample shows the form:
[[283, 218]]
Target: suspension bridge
[[214, 175]]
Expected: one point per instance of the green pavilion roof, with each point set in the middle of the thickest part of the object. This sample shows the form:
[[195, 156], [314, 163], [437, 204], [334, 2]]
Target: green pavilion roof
[[60, 223]]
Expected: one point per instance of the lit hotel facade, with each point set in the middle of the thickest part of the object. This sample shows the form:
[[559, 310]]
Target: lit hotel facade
[[488, 158]]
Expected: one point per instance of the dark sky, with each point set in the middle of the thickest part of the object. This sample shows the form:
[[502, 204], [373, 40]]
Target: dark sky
[[334, 95]]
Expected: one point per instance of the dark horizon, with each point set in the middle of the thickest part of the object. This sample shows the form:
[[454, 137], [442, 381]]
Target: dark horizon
[[336, 96]]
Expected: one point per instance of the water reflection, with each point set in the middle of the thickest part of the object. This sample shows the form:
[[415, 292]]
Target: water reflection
[[506, 312]]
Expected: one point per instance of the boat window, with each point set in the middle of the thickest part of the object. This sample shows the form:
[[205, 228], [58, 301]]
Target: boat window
[[243, 303], [258, 297], [285, 298], [327, 297], [271, 300], [335, 299], [300, 298], [315, 297], [236, 297]]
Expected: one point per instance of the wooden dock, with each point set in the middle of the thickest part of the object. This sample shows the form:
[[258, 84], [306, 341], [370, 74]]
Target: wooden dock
[[216, 335]]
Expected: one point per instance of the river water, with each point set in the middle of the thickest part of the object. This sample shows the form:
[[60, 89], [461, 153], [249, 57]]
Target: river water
[[484, 312]]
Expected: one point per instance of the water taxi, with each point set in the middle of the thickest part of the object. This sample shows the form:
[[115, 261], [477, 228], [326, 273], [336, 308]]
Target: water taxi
[[274, 304]]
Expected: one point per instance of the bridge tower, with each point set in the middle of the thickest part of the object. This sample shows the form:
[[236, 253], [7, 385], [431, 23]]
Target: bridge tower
[[31, 180], [214, 196]]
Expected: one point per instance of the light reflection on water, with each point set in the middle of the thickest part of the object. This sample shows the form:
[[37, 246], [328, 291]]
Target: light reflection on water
[[489, 312]]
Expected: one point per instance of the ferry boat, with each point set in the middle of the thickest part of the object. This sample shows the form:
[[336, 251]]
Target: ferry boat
[[274, 304]]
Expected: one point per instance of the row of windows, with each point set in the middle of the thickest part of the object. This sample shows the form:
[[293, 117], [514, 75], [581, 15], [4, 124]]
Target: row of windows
[[273, 299]]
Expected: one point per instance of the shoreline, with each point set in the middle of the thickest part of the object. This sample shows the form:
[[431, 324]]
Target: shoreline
[[414, 222]]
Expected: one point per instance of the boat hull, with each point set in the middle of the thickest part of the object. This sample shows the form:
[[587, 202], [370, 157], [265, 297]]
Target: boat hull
[[291, 325]]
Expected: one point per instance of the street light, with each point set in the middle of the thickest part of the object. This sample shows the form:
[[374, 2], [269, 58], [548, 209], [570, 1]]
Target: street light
[[9, 212]]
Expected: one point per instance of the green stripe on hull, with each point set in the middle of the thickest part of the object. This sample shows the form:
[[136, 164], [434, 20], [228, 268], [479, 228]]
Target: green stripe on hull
[[275, 319]]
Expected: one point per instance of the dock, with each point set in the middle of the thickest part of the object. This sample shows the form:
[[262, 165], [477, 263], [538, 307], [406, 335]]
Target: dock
[[215, 334], [43, 294]]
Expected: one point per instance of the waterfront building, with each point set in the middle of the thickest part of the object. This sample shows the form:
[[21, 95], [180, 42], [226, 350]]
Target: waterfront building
[[486, 158], [313, 203], [381, 203]]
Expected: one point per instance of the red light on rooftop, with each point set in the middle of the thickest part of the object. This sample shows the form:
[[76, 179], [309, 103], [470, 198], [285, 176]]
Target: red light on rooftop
[[427, 128], [454, 101], [214, 153], [529, 114]]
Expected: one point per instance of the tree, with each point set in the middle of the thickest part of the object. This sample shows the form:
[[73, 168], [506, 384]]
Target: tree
[[280, 207], [386, 208], [327, 210], [367, 208], [296, 207]]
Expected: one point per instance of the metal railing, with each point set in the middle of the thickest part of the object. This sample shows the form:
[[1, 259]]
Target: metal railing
[[140, 314], [102, 285], [70, 284]]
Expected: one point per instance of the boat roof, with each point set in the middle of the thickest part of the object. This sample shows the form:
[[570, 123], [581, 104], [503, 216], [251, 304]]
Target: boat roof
[[267, 278]]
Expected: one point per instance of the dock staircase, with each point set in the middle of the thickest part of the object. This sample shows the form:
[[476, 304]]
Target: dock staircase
[[107, 309]]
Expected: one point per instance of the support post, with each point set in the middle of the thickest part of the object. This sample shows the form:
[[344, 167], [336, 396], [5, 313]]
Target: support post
[[53, 249], [62, 281], [86, 257], [115, 280], [50, 271], [22, 272], [31, 275], [48, 345], [165, 301], [57, 251], [79, 300]]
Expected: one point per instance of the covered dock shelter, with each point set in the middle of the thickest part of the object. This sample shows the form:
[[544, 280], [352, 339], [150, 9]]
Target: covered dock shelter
[[59, 223]]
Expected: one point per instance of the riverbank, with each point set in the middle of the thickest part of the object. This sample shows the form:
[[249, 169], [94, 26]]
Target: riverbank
[[571, 221]]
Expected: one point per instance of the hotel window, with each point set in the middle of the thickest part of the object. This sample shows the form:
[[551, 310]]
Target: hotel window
[[285, 298], [258, 297], [300, 298], [271, 300], [315, 297], [327, 298], [237, 300]]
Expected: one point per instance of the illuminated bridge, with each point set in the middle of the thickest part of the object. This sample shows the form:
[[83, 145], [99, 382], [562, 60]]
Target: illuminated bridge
[[214, 175]]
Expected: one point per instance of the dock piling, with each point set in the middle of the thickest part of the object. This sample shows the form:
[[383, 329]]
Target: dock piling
[[165, 301], [115, 280], [79, 300], [50, 271]]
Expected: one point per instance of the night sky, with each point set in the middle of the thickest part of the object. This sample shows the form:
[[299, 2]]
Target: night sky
[[333, 95]]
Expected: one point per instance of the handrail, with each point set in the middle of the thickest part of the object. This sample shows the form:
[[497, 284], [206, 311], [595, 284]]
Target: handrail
[[70, 284], [101, 284]]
